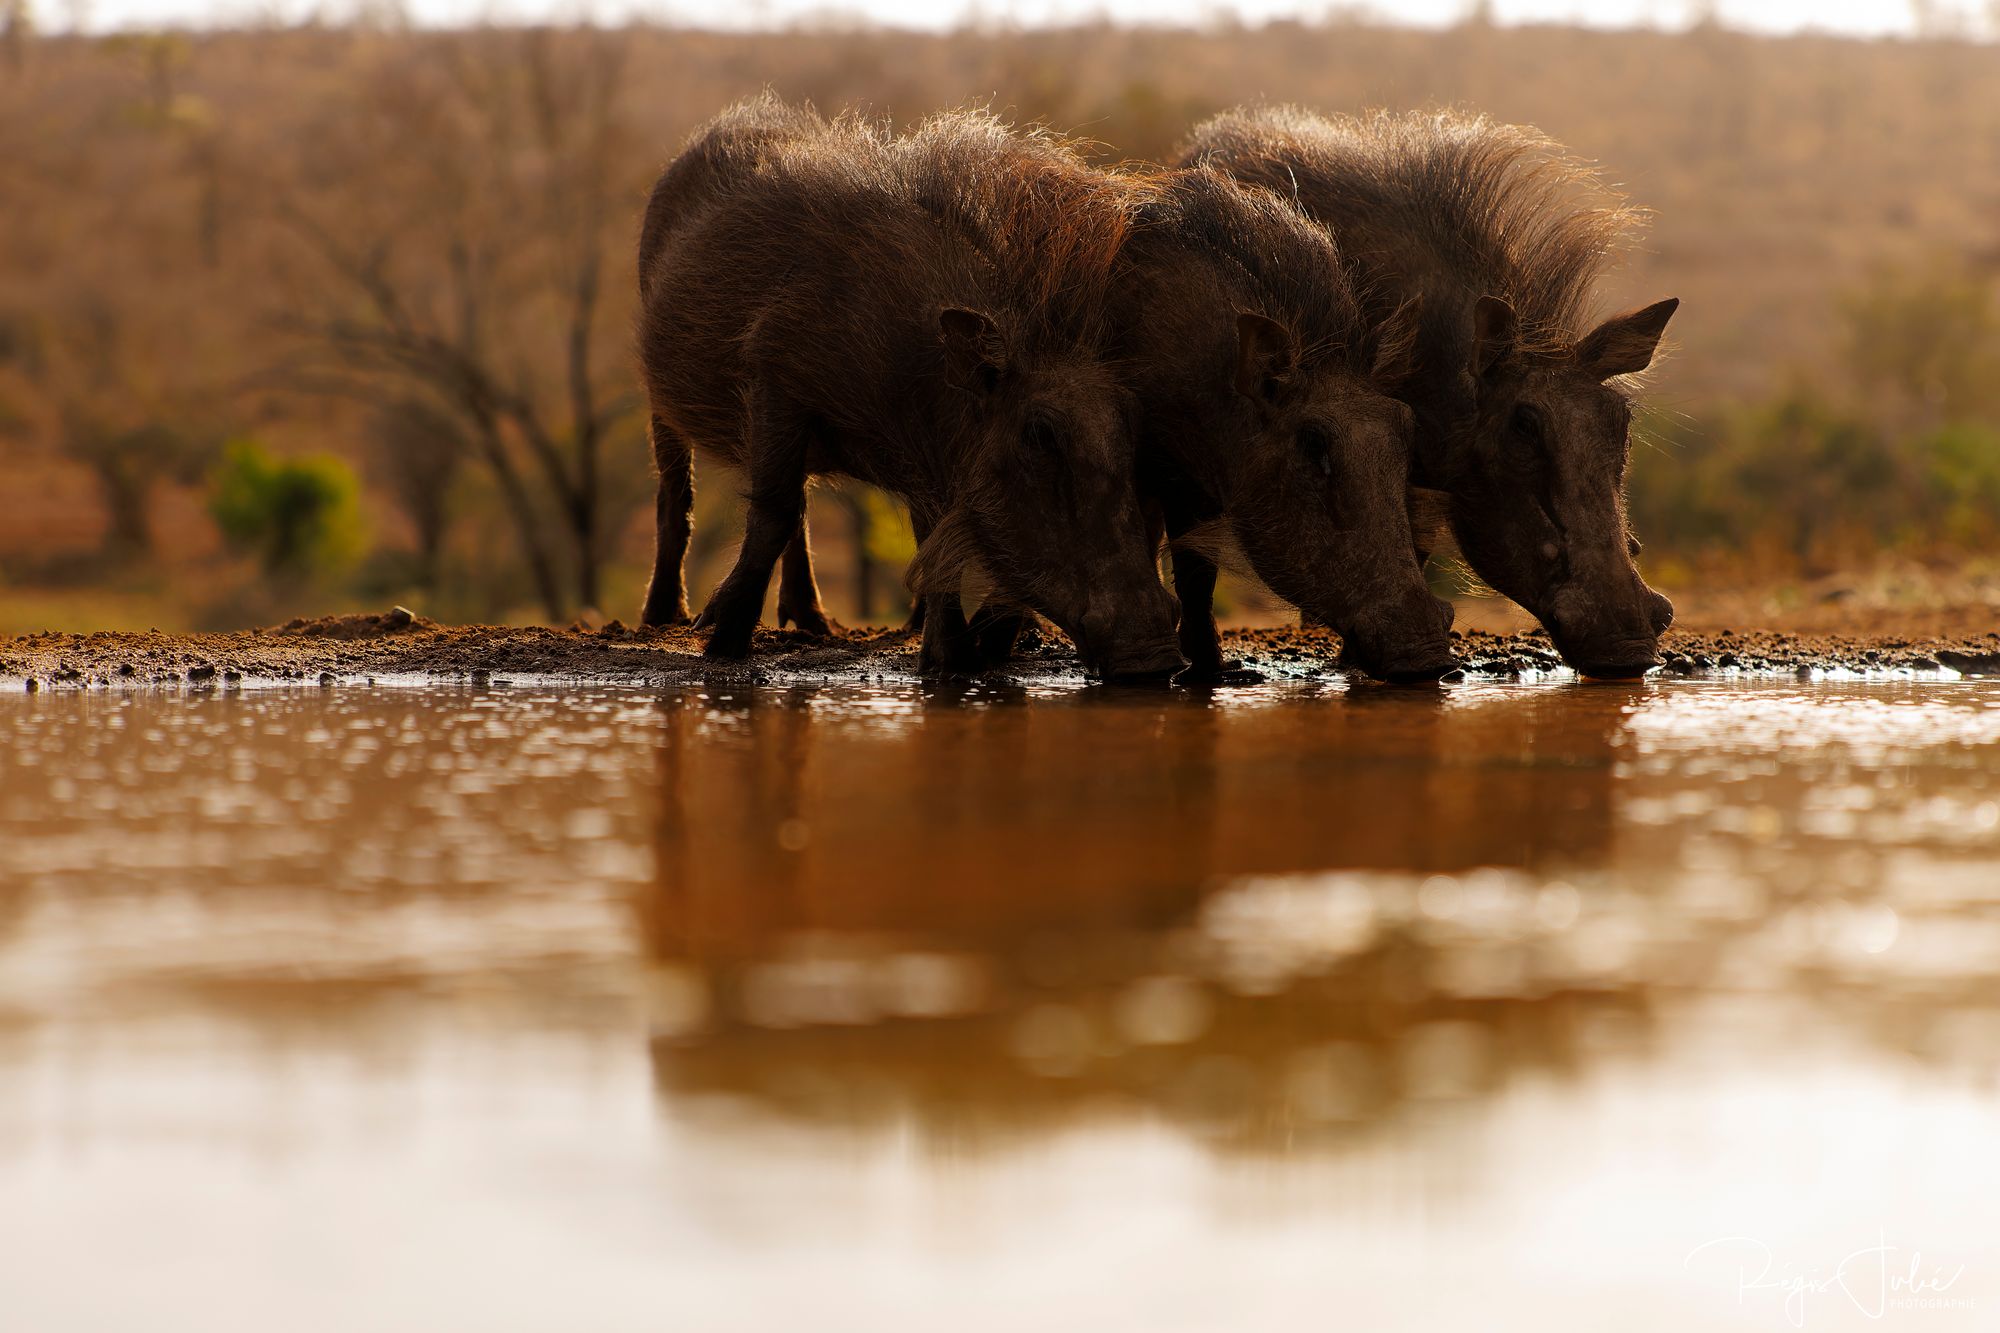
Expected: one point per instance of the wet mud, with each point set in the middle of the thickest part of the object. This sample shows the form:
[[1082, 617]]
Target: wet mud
[[399, 645]]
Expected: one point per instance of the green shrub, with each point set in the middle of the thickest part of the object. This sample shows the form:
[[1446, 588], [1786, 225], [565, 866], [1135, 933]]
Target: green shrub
[[1795, 480], [1960, 471], [1905, 457], [300, 517]]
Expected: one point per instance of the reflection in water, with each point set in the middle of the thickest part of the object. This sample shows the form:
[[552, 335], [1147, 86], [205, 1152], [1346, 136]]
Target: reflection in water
[[993, 911], [1475, 1007]]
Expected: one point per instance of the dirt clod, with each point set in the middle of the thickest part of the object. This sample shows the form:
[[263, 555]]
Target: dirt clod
[[356, 627]]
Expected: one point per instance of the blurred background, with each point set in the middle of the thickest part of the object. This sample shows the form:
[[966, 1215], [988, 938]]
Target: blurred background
[[304, 309]]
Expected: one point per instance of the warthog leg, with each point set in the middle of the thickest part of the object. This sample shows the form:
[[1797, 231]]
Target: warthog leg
[[1201, 642], [777, 437], [920, 529], [994, 632], [798, 591], [1194, 585], [949, 648], [666, 595]]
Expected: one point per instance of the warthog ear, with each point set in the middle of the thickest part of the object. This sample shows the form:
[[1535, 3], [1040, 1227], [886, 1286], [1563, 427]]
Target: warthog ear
[[1624, 344], [1495, 328], [1396, 346], [974, 351], [1264, 356]]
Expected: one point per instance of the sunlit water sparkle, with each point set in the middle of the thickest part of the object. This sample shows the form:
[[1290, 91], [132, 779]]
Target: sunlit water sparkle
[[757, 1008]]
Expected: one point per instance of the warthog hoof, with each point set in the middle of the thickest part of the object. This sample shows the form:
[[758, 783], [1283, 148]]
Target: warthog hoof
[[726, 644], [813, 620]]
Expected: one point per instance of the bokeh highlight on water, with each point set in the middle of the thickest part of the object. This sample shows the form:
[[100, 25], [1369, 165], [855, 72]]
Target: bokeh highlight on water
[[1484, 1006]]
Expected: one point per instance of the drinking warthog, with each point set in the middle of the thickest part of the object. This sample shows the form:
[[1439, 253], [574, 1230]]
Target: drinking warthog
[[1262, 401], [923, 313], [1520, 417]]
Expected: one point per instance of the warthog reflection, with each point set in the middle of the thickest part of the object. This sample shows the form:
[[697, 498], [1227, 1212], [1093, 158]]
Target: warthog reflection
[[1261, 920]]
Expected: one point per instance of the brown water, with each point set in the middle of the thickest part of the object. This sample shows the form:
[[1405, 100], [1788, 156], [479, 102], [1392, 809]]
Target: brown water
[[1537, 1007]]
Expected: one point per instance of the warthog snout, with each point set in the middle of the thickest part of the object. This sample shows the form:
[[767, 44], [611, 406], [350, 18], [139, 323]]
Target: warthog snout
[[1130, 635], [1158, 662], [1610, 643], [1627, 661], [1607, 656], [1403, 647]]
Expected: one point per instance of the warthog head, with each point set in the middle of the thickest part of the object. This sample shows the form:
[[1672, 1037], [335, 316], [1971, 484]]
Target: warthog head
[[1047, 503], [1538, 489], [1319, 506]]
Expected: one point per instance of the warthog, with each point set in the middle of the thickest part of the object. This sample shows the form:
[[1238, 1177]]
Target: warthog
[[1261, 391], [719, 155], [1492, 233], [923, 313]]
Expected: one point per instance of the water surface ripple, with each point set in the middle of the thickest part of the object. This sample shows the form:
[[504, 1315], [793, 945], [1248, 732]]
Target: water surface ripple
[[1488, 1006]]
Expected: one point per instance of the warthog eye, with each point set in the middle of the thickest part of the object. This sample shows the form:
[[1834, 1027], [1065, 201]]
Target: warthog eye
[[1527, 438], [1526, 425], [1316, 444], [1041, 433]]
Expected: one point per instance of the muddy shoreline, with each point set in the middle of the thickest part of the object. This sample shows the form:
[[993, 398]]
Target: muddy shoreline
[[398, 645]]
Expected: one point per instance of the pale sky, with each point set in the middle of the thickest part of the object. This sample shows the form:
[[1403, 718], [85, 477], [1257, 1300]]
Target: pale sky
[[1856, 17]]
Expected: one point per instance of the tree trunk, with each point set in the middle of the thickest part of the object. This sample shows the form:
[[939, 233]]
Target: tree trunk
[[527, 523], [583, 527], [864, 556], [430, 553], [126, 492]]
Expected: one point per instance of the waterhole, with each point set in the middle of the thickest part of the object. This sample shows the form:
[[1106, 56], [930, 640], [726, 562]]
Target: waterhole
[[1522, 1006]]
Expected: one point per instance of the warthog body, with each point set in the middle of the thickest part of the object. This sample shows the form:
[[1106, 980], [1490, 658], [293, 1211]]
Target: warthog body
[[1260, 392], [1520, 418], [922, 313]]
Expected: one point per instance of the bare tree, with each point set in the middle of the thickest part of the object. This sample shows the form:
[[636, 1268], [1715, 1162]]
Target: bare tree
[[482, 285], [85, 375], [419, 451]]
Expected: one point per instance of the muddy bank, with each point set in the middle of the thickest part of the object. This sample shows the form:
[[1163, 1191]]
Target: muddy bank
[[397, 645]]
